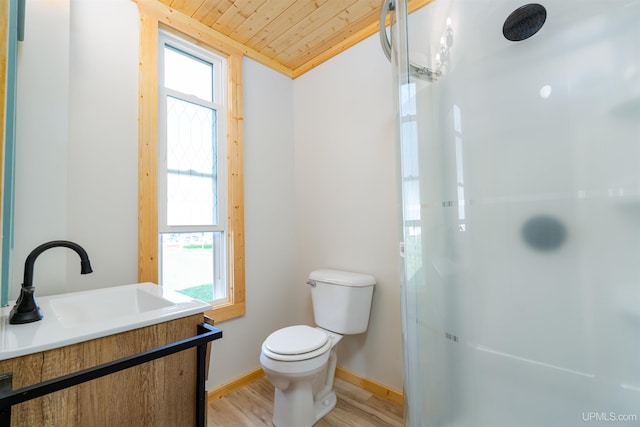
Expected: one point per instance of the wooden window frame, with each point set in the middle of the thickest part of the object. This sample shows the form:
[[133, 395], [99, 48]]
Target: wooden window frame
[[155, 16]]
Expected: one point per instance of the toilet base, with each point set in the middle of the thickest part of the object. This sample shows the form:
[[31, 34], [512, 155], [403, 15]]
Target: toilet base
[[324, 406], [297, 409], [294, 408]]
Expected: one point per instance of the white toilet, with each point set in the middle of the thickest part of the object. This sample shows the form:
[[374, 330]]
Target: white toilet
[[300, 361]]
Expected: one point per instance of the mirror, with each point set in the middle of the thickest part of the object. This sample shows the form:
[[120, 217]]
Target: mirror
[[12, 24]]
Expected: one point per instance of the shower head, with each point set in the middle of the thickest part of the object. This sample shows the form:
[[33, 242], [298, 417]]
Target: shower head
[[524, 22]]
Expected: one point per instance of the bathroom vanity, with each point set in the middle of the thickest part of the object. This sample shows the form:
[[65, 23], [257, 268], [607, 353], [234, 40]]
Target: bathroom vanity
[[161, 392]]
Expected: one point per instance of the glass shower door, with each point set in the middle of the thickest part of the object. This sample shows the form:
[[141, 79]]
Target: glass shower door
[[521, 214]]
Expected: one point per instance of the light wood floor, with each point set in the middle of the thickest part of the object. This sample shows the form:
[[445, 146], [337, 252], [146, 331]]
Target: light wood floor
[[252, 405]]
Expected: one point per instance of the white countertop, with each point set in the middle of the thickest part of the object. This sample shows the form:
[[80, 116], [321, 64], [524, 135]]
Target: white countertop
[[81, 316]]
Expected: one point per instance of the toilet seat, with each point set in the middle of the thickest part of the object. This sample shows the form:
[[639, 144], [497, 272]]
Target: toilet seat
[[299, 342]]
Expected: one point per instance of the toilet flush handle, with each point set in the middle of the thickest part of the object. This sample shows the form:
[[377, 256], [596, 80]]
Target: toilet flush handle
[[311, 282]]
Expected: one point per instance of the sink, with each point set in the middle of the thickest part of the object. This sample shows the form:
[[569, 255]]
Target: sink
[[79, 316], [79, 309]]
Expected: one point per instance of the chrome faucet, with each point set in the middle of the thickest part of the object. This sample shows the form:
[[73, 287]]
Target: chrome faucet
[[26, 309]]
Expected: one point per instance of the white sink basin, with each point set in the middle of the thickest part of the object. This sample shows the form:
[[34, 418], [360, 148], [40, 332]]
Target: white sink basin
[[79, 309], [80, 316]]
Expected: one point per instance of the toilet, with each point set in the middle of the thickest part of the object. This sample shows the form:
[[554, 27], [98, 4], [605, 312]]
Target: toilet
[[300, 361]]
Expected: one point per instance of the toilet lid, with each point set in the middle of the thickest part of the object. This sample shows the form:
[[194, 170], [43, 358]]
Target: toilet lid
[[297, 339]]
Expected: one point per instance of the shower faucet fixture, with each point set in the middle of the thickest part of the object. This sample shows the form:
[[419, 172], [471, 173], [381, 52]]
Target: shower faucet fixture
[[26, 309]]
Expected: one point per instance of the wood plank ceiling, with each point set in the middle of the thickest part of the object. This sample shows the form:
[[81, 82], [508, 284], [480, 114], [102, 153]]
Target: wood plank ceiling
[[296, 34]]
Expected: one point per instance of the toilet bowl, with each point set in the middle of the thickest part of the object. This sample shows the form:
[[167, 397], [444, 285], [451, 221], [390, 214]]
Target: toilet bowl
[[300, 360]]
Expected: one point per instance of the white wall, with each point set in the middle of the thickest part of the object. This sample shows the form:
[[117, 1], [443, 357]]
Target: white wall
[[270, 246], [42, 133], [346, 198], [319, 178], [103, 141], [76, 152]]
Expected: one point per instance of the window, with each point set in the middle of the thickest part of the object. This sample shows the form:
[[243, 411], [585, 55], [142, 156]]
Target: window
[[191, 210], [192, 144]]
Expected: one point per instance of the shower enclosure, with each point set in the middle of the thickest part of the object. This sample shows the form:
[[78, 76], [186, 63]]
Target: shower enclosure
[[520, 174]]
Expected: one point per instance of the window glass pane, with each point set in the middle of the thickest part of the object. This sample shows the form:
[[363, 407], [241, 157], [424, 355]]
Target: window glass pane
[[192, 265], [191, 164], [190, 199], [188, 74]]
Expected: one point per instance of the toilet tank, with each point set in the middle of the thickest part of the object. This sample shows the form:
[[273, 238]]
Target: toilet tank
[[341, 300]]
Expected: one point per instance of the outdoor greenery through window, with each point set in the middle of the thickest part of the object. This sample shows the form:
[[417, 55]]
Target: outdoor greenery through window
[[192, 211]]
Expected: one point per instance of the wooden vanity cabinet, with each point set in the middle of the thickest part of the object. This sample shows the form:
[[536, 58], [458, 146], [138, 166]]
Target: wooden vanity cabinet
[[155, 394]]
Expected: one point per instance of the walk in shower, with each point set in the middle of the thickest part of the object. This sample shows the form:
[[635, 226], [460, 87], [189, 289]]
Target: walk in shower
[[519, 147]]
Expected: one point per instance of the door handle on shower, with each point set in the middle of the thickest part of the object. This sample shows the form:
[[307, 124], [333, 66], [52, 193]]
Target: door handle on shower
[[387, 6], [425, 73]]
